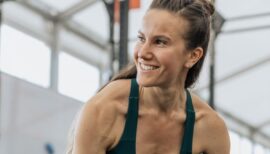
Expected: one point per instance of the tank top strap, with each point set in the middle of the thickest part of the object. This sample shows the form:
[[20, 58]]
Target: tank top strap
[[132, 114], [186, 147], [189, 102], [127, 143]]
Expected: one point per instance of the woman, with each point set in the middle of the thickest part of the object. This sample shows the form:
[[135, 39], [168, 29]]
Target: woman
[[146, 109]]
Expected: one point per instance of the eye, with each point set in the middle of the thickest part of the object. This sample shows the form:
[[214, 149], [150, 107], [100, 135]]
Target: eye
[[161, 42], [141, 38]]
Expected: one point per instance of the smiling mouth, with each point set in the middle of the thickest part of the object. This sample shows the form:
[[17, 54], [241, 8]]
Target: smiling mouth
[[147, 67]]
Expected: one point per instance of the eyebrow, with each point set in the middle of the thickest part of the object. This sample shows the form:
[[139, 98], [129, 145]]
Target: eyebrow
[[157, 36]]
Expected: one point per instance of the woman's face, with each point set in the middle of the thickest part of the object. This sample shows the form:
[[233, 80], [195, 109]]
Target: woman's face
[[160, 54]]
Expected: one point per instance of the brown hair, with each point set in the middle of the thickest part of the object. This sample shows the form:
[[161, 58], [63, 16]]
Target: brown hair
[[197, 13]]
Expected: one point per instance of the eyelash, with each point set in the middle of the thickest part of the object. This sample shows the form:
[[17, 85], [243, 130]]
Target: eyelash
[[141, 38], [157, 41]]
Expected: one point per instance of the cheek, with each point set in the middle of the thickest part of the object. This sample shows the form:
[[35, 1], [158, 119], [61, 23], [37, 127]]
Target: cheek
[[173, 61], [169, 58]]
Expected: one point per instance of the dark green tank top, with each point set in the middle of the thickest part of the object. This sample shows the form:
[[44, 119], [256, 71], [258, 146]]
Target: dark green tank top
[[127, 143]]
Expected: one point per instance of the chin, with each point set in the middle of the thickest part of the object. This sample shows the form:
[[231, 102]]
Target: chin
[[146, 82]]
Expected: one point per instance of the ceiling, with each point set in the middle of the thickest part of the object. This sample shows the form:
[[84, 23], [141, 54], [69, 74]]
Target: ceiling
[[242, 53]]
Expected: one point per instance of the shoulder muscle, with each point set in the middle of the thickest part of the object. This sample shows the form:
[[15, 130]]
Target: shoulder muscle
[[93, 131], [212, 129], [215, 134]]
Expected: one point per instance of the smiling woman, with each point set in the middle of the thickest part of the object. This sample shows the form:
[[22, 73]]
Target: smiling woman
[[146, 108]]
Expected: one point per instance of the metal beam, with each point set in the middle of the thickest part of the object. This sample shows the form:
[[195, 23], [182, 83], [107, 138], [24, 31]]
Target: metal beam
[[252, 130], [235, 119], [212, 54], [86, 34], [248, 17], [39, 8], [74, 27], [54, 44], [263, 124], [67, 14], [123, 55], [241, 30], [1, 103], [212, 69], [244, 70], [239, 72], [110, 9]]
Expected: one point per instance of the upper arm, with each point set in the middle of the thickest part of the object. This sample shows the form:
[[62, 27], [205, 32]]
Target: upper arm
[[216, 136], [212, 133], [96, 124], [92, 134]]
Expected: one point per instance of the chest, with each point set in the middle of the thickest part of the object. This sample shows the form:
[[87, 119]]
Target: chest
[[161, 135]]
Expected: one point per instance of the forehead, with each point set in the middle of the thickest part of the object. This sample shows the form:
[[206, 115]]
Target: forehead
[[158, 21]]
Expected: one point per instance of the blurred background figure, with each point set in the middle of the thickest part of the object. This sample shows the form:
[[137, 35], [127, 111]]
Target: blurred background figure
[[49, 148], [54, 55]]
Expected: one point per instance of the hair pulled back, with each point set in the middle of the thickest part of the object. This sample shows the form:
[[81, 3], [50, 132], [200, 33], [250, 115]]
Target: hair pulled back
[[198, 14]]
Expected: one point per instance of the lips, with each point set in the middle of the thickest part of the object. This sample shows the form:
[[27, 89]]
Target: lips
[[148, 67]]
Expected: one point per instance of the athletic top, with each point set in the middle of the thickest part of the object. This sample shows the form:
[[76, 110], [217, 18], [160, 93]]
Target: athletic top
[[127, 143]]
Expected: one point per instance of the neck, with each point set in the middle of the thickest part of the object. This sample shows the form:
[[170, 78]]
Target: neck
[[164, 100]]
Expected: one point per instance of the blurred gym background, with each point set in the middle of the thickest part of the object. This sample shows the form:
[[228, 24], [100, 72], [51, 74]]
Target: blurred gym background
[[55, 54]]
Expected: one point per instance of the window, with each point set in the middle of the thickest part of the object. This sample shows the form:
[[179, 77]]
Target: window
[[246, 146], [243, 145], [235, 143], [77, 79], [24, 56], [259, 149]]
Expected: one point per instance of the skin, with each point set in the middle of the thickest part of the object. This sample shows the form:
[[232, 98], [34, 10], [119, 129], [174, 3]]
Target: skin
[[162, 98]]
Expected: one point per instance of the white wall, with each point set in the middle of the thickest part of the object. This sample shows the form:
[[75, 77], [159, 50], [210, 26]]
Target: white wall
[[31, 116]]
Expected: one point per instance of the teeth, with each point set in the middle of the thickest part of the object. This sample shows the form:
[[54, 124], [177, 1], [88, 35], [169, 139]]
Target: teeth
[[147, 67]]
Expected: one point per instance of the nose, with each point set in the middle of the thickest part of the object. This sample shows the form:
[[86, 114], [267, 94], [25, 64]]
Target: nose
[[145, 51]]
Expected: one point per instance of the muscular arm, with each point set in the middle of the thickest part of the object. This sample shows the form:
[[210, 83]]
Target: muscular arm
[[216, 136], [94, 131]]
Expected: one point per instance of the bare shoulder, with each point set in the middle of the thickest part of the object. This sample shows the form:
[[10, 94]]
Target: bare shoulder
[[114, 90], [211, 128], [107, 99], [94, 131]]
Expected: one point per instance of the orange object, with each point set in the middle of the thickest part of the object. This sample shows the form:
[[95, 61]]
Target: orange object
[[133, 4], [116, 11]]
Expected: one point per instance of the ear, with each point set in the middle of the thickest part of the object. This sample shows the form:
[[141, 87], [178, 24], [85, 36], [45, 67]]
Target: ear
[[193, 57]]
